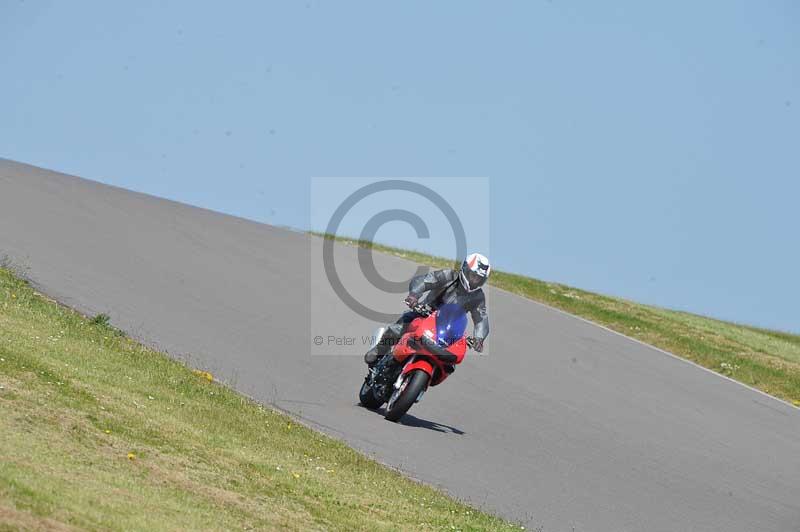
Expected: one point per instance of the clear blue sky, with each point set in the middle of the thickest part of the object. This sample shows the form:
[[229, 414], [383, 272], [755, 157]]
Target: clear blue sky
[[645, 150]]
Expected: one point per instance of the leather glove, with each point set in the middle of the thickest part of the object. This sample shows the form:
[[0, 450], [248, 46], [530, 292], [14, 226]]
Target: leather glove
[[478, 345], [411, 300]]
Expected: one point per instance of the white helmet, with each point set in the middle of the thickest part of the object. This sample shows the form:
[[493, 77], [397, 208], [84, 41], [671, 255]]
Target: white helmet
[[474, 272]]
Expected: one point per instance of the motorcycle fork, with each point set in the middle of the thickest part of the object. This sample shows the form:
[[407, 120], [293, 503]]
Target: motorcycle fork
[[400, 378]]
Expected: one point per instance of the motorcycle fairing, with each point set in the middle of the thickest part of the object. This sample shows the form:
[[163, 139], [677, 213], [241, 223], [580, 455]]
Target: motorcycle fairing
[[423, 359]]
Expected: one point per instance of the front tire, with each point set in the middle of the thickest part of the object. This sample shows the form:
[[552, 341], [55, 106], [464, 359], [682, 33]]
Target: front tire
[[367, 397], [414, 384]]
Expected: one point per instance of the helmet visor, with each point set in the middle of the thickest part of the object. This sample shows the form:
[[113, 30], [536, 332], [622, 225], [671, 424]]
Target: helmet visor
[[474, 279]]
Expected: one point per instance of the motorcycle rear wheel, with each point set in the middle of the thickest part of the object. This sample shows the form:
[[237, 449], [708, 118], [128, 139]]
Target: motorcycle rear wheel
[[367, 397], [415, 383]]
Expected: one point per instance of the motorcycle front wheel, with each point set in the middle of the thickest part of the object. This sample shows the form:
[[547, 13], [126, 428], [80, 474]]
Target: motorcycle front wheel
[[413, 384]]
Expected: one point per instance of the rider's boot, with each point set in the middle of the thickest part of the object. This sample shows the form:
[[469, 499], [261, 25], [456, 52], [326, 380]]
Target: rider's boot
[[390, 337], [373, 355]]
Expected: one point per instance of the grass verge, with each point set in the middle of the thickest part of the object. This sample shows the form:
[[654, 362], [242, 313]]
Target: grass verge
[[767, 360], [99, 432]]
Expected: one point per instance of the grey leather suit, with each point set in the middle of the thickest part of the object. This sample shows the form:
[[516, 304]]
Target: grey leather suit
[[442, 287], [436, 288]]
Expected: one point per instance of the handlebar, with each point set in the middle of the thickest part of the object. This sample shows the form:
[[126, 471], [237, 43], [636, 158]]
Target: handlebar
[[423, 309]]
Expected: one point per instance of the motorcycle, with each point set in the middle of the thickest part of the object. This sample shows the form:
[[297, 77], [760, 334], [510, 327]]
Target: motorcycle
[[426, 354]]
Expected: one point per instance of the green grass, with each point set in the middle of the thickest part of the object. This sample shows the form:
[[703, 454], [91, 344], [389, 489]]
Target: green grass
[[99, 432], [767, 360]]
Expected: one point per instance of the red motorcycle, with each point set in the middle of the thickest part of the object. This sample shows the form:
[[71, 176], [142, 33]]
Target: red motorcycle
[[427, 353]]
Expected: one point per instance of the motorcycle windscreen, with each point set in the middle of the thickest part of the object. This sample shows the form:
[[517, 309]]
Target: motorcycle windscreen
[[451, 324]]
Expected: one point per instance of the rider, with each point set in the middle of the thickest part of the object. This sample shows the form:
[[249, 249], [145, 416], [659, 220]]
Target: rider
[[440, 287]]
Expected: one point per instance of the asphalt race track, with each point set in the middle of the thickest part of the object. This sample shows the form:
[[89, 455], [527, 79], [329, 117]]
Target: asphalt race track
[[565, 425]]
